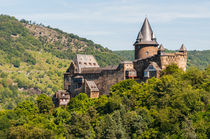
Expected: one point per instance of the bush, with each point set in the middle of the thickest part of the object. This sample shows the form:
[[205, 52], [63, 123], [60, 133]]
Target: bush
[[16, 63]]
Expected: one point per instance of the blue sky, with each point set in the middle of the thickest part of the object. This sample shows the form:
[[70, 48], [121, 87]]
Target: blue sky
[[116, 23]]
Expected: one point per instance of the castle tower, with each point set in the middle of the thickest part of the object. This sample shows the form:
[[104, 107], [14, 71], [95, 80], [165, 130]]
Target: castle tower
[[183, 49], [146, 44], [161, 50]]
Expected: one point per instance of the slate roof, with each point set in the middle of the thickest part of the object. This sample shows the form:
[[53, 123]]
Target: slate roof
[[146, 35], [90, 70], [85, 61], [126, 62], [62, 94], [92, 86], [183, 48], [153, 66], [161, 48]]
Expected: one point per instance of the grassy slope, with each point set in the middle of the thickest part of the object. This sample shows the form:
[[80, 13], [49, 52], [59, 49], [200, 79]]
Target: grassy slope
[[33, 58], [46, 75], [200, 59]]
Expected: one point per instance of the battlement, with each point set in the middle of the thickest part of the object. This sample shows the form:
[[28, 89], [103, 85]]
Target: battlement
[[85, 75]]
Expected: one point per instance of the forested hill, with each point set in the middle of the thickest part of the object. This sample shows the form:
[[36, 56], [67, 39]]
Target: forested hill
[[34, 57], [17, 37], [200, 59]]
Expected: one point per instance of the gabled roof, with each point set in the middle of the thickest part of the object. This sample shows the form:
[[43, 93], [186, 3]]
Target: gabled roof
[[92, 86], [146, 34], [153, 66], [161, 48], [183, 48], [85, 61]]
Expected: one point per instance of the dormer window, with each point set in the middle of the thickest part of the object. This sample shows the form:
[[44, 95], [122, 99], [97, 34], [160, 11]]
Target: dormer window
[[151, 67]]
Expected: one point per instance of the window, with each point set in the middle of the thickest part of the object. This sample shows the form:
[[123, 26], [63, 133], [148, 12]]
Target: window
[[151, 67], [147, 53], [146, 74], [94, 64], [85, 63], [90, 64]]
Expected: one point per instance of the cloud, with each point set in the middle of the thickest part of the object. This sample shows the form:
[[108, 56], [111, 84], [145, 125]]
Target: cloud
[[106, 20], [125, 12]]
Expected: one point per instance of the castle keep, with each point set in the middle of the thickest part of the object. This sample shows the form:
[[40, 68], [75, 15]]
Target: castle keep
[[85, 75]]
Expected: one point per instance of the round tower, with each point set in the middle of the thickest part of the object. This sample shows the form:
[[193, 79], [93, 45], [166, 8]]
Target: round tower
[[146, 44]]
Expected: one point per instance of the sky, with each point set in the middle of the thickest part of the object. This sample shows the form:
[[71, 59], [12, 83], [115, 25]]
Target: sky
[[115, 23]]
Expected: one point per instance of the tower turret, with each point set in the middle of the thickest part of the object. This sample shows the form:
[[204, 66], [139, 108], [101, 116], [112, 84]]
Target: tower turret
[[146, 44], [161, 50], [183, 48]]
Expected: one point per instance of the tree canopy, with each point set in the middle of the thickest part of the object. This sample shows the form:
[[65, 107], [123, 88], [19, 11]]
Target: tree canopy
[[174, 106]]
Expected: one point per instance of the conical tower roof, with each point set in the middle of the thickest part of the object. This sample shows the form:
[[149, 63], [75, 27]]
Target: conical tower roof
[[183, 48], [146, 34], [161, 48]]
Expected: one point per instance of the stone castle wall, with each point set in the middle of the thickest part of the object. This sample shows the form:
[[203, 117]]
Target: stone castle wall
[[142, 52], [105, 79], [179, 58], [141, 64]]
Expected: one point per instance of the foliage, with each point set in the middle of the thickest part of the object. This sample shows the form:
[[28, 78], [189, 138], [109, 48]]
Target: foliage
[[31, 65], [45, 104], [33, 62], [174, 106], [27, 81]]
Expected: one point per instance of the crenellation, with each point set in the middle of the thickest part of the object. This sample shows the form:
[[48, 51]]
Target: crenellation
[[85, 75]]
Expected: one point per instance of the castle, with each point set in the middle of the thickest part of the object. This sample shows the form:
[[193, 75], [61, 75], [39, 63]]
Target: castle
[[85, 75]]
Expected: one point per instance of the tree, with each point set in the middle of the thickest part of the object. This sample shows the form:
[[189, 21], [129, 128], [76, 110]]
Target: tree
[[80, 103], [45, 103], [26, 108], [79, 126]]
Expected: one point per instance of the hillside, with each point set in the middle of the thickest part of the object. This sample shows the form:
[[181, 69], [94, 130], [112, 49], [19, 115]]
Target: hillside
[[34, 57], [200, 59], [18, 36]]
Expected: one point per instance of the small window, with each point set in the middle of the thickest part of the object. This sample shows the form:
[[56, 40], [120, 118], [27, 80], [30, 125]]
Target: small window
[[151, 67], [80, 63], [146, 74], [85, 63], [94, 64], [90, 64], [147, 53]]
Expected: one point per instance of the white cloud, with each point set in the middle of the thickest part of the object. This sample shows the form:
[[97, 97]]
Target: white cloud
[[131, 12], [119, 12]]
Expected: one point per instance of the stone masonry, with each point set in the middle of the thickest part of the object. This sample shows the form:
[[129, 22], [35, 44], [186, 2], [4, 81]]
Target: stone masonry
[[85, 75]]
